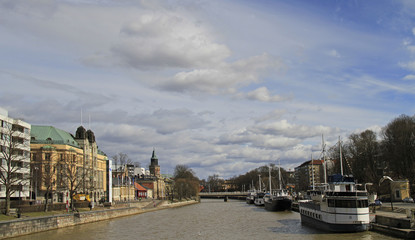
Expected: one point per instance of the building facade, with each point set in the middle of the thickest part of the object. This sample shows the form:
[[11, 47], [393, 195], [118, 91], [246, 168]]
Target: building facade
[[63, 164], [14, 156], [307, 173]]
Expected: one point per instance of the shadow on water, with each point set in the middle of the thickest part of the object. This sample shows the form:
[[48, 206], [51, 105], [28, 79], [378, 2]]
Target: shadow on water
[[294, 226], [298, 230]]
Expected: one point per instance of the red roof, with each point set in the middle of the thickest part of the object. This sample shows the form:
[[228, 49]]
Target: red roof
[[139, 187]]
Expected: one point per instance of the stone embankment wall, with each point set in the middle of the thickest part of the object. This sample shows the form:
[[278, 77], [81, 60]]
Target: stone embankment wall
[[23, 226]]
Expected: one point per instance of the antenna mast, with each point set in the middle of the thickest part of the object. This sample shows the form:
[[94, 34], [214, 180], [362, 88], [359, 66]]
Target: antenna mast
[[324, 160], [269, 170], [341, 159], [279, 172]]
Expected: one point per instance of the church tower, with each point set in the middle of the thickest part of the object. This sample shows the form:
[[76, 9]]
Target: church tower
[[154, 166]]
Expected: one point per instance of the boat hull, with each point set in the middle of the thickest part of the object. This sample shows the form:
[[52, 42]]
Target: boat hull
[[278, 204], [330, 227], [249, 201]]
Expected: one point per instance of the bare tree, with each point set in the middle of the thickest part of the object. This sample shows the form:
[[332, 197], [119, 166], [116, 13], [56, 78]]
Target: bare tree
[[122, 159], [364, 151], [46, 174], [70, 176], [11, 160], [399, 147], [215, 183]]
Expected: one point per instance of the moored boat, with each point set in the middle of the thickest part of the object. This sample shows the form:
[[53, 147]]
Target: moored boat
[[250, 198], [279, 200], [339, 208], [259, 199]]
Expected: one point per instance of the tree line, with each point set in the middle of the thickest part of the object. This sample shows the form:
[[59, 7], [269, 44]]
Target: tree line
[[369, 156]]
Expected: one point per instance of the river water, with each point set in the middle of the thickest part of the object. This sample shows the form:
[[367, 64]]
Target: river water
[[212, 219]]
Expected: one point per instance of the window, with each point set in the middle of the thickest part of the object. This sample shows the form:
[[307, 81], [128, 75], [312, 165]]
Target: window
[[351, 203], [330, 202]]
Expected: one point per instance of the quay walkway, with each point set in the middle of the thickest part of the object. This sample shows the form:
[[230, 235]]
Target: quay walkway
[[398, 223]]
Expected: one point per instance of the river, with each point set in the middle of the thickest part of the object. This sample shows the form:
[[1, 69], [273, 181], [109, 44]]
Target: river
[[212, 219]]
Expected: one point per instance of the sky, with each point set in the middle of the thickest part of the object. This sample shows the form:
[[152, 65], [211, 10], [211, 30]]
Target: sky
[[221, 86]]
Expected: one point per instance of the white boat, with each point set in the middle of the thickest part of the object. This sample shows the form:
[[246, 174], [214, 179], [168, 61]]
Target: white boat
[[259, 199], [259, 196], [339, 208], [250, 198]]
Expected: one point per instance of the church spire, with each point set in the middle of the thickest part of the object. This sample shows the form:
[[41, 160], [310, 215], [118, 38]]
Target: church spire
[[154, 154]]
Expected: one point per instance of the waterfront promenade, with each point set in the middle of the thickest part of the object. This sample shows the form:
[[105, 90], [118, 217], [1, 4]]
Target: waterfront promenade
[[27, 225], [399, 222]]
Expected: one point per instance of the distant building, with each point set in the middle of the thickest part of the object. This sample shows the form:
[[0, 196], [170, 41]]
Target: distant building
[[305, 173], [157, 186], [15, 136], [154, 166], [59, 157]]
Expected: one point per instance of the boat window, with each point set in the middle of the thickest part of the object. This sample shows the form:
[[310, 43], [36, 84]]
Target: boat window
[[346, 203], [362, 204], [330, 202], [351, 203]]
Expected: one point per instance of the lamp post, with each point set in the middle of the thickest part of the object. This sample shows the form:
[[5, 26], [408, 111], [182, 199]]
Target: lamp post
[[390, 186], [36, 173]]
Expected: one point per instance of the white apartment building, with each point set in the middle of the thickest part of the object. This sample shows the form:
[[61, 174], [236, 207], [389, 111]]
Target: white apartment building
[[17, 132]]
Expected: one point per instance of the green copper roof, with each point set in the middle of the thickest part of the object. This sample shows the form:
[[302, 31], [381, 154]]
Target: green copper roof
[[153, 156], [51, 135]]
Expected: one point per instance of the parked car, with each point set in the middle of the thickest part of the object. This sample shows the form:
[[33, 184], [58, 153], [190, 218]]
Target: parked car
[[377, 202], [408, 200]]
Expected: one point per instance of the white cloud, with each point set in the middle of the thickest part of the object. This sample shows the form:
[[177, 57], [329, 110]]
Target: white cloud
[[410, 77], [225, 78], [284, 128], [163, 40], [409, 65], [411, 49], [333, 53], [262, 94]]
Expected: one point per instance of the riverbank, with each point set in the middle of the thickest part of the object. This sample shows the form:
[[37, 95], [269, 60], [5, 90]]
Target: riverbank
[[397, 223], [28, 225]]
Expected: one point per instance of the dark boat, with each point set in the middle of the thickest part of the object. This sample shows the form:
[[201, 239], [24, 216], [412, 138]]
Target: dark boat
[[279, 200]]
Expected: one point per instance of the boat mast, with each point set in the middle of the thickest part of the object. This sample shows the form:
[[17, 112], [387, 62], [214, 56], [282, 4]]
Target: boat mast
[[341, 159], [324, 161], [269, 178], [279, 172], [259, 175]]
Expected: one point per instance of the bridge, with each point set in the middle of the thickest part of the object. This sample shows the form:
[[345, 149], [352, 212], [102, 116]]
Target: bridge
[[225, 195]]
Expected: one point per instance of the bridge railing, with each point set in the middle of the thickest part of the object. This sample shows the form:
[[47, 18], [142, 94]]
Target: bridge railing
[[222, 193]]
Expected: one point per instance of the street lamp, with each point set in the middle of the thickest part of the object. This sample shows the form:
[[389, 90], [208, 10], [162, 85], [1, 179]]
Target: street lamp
[[390, 186]]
